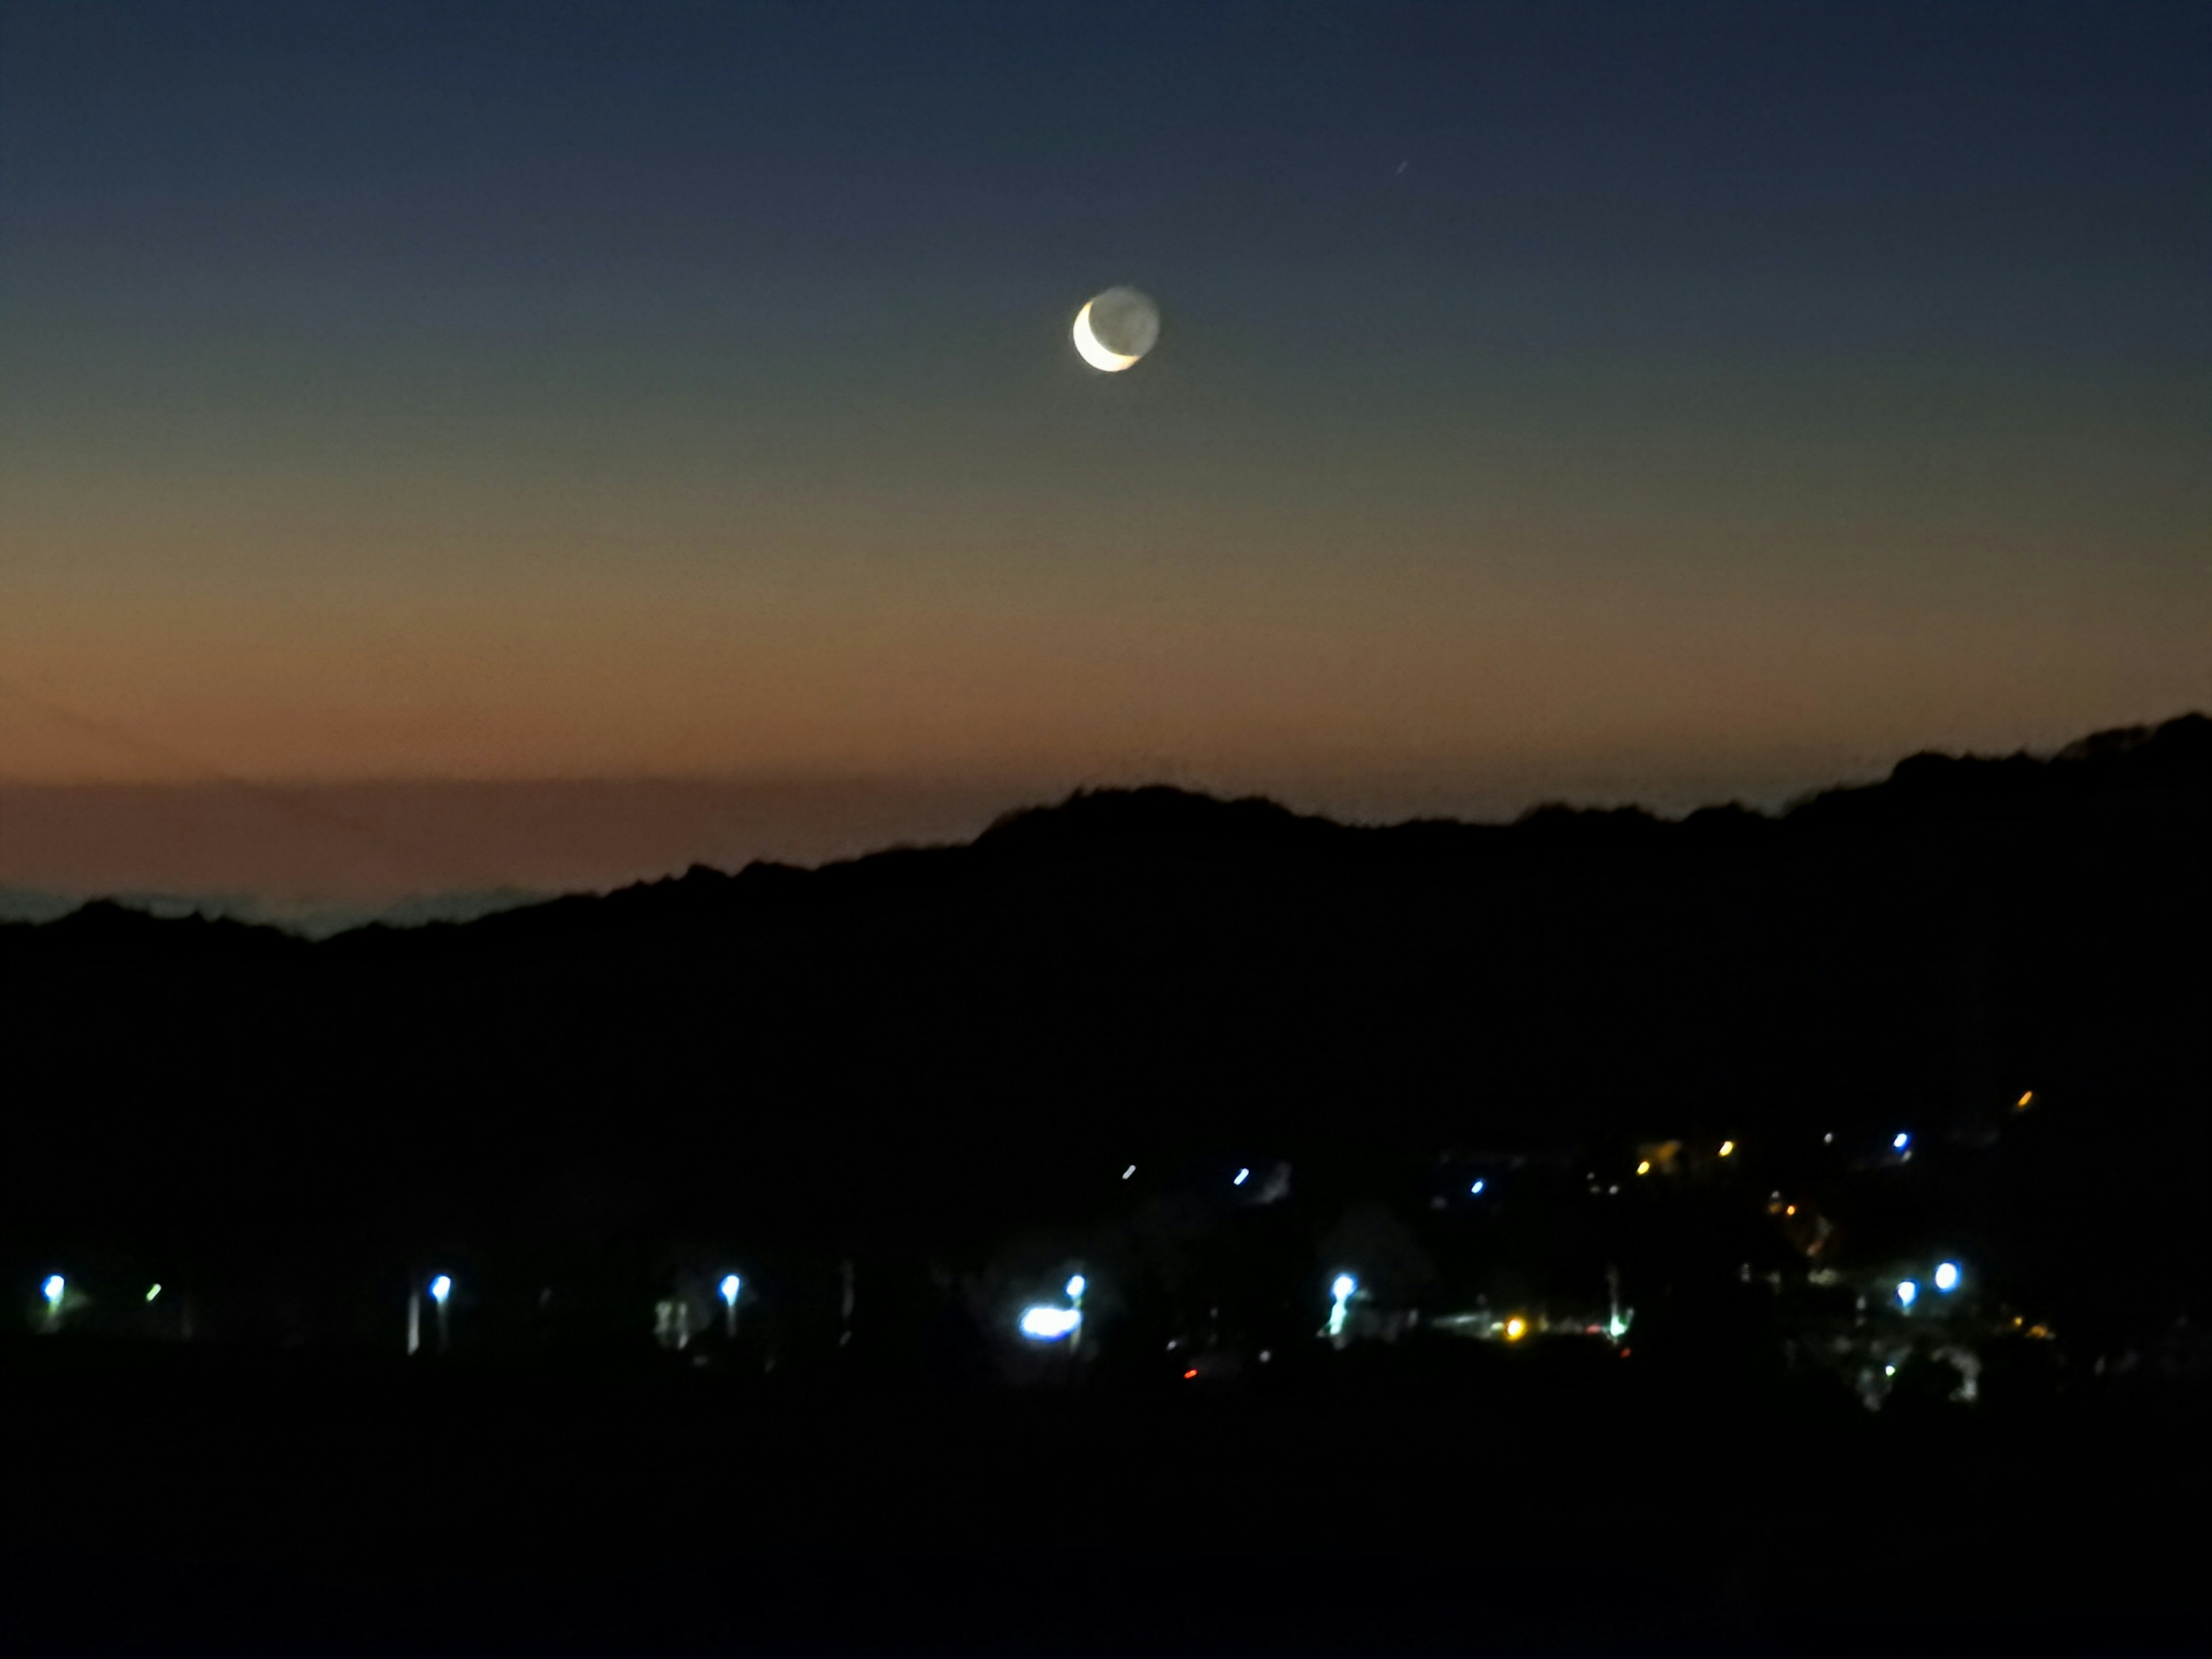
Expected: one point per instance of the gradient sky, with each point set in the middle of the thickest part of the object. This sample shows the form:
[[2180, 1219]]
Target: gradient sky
[[1670, 402]]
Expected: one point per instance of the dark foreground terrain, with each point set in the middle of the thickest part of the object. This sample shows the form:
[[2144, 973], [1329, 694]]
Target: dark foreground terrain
[[182, 1500]]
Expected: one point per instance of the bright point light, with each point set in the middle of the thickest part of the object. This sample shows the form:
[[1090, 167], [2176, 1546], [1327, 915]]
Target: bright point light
[[1075, 1286], [1477, 1188], [1829, 1138], [1901, 1140], [1643, 1168], [440, 1288], [1049, 1324], [731, 1286], [1946, 1276], [2023, 1100], [1126, 1173], [1906, 1290], [1516, 1328], [1344, 1286], [54, 1286], [1242, 1175], [1889, 1370], [152, 1292], [1727, 1149]]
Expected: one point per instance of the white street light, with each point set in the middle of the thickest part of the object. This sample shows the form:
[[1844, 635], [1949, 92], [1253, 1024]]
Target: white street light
[[1042, 1324], [1475, 1191], [1075, 1287], [1946, 1276], [1342, 1288], [1906, 1293], [441, 1287], [1901, 1140], [1242, 1175]]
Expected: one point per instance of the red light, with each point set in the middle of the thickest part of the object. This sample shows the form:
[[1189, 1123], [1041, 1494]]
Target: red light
[[1625, 1352], [1187, 1376]]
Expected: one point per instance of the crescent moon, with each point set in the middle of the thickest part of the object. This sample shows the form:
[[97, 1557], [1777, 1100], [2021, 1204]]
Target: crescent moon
[[1093, 353]]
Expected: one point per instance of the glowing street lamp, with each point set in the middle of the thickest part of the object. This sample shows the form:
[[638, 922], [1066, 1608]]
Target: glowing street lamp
[[1901, 1141], [1475, 1191], [1907, 1292], [1343, 1287], [1047, 1324], [54, 1289], [441, 1289], [153, 1291], [1946, 1276], [1727, 1149], [1242, 1175], [731, 1285]]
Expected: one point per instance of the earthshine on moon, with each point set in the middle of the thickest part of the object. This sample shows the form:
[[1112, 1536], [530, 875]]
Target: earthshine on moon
[[1116, 328]]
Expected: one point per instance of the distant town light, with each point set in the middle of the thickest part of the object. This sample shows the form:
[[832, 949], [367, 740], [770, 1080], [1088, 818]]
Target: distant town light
[[1042, 1324], [1516, 1328], [1242, 1175], [1727, 1149], [1906, 1291], [1075, 1287], [1476, 1190], [731, 1285], [1126, 1173], [1889, 1370], [153, 1291], [440, 1288], [2024, 1101], [1901, 1140], [1190, 1375], [53, 1288], [1644, 1168], [1829, 1138], [1946, 1276]]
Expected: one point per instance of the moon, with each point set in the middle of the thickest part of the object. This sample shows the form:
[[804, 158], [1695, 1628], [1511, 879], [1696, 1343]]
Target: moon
[[1114, 329]]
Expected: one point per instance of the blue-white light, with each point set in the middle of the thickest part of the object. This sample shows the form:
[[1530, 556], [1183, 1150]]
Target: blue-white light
[[1242, 1175], [1126, 1173], [440, 1288], [1477, 1188], [1901, 1140], [731, 1285], [1343, 1287], [53, 1287], [1075, 1287], [1907, 1291], [1946, 1276], [1049, 1324]]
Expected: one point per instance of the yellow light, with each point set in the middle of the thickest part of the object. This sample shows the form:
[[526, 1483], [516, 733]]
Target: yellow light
[[1792, 1210], [1516, 1328], [2021, 1105], [1643, 1168], [1727, 1147]]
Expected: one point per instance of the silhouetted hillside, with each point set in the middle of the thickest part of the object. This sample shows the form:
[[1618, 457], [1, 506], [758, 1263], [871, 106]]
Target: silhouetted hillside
[[925, 1048]]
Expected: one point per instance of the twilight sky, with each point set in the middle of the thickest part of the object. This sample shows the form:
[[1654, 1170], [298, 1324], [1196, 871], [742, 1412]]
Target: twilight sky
[[1668, 402]]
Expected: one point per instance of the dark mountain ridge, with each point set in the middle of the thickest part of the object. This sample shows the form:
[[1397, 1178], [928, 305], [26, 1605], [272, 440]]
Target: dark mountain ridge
[[929, 1046]]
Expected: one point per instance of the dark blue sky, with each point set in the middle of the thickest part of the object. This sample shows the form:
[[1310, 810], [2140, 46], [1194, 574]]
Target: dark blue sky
[[1656, 398]]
